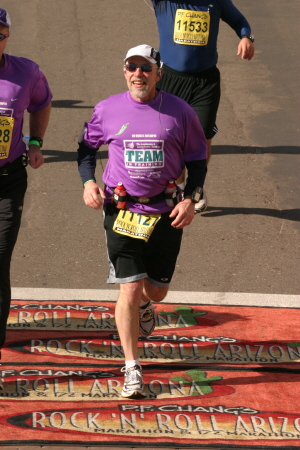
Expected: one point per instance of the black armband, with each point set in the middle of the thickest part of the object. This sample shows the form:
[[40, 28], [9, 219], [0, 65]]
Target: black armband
[[86, 162], [196, 176]]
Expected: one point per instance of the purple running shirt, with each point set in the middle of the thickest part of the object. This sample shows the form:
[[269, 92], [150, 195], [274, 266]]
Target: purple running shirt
[[148, 143], [22, 87]]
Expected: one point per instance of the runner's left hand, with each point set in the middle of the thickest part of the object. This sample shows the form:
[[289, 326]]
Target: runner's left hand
[[245, 49], [35, 156], [183, 213]]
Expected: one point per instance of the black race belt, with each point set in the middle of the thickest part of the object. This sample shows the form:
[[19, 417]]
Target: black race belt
[[142, 199], [146, 200]]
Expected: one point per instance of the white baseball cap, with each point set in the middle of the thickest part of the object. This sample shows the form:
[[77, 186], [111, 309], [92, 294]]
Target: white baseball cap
[[4, 18], [146, 51]]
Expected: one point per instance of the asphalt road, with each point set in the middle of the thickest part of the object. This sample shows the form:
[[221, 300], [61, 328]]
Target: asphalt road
[[248, 239]]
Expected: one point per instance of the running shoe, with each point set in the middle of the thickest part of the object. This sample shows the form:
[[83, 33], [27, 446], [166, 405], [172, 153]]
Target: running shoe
[[147, 320], [133, 383], [202, 204]]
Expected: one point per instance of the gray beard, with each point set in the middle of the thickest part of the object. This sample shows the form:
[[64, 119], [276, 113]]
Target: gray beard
[[139, 93]]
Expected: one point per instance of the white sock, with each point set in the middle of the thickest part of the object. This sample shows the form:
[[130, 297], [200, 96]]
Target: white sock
[[181, 185], [132, 363]]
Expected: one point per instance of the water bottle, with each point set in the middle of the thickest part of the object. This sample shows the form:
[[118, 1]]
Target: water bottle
[[26, 140], [120, 196], [171, 194]]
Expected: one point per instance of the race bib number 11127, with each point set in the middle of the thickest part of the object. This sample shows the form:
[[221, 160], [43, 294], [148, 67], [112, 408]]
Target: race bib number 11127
[[139, 226]]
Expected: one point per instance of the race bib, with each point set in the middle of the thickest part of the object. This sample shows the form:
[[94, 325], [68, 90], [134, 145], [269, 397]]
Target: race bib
[[6, 129], [191, 27], [136, 225]]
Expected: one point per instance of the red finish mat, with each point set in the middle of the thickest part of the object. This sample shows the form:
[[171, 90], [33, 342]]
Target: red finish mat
[[216, 377]]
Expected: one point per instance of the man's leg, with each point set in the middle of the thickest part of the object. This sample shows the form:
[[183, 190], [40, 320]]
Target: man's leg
[[127, 312], [127, 320], [202, 204], [151, 293], [205, 103], [154, 293], [157, 260], [12, 187], [127, 317], [162, 252]]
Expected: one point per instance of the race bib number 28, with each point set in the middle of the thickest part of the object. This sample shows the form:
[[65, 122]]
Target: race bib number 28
[[191, 27], [139, 226], [6, 129]]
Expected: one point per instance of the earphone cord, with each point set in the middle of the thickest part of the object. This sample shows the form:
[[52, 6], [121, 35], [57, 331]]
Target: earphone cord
[[148, 5]]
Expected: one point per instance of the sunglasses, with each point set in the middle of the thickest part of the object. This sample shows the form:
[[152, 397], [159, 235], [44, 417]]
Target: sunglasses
[[131, 67], [3, 36]]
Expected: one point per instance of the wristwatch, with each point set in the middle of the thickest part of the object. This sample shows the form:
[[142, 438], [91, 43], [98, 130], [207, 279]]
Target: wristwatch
[[249, 36], [35, 140], [197, 194]]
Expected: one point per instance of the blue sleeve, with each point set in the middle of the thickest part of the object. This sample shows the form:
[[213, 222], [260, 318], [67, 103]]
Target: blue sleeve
[[86, 162], [234, 18]]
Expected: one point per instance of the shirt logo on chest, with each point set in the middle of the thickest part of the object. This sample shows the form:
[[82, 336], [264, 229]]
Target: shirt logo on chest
[[144, 153], [123, 128]]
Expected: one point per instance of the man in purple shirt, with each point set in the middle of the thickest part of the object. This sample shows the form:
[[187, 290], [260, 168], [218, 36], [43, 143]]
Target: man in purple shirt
[[151, 137], [22, 87]]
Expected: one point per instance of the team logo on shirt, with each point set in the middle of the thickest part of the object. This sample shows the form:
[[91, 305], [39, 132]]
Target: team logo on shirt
[[143, 153]]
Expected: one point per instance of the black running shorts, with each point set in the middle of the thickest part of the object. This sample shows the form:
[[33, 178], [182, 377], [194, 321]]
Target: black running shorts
[[200, 90], [132, 259]]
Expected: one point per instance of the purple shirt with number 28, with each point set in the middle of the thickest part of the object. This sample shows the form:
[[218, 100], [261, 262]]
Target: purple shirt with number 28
[[22, 87]]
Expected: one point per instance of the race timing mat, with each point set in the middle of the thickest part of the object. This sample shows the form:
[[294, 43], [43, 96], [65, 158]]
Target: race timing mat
[[215, 376]]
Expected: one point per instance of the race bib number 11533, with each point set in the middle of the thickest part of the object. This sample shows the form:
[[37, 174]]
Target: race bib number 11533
[[191, 27]]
